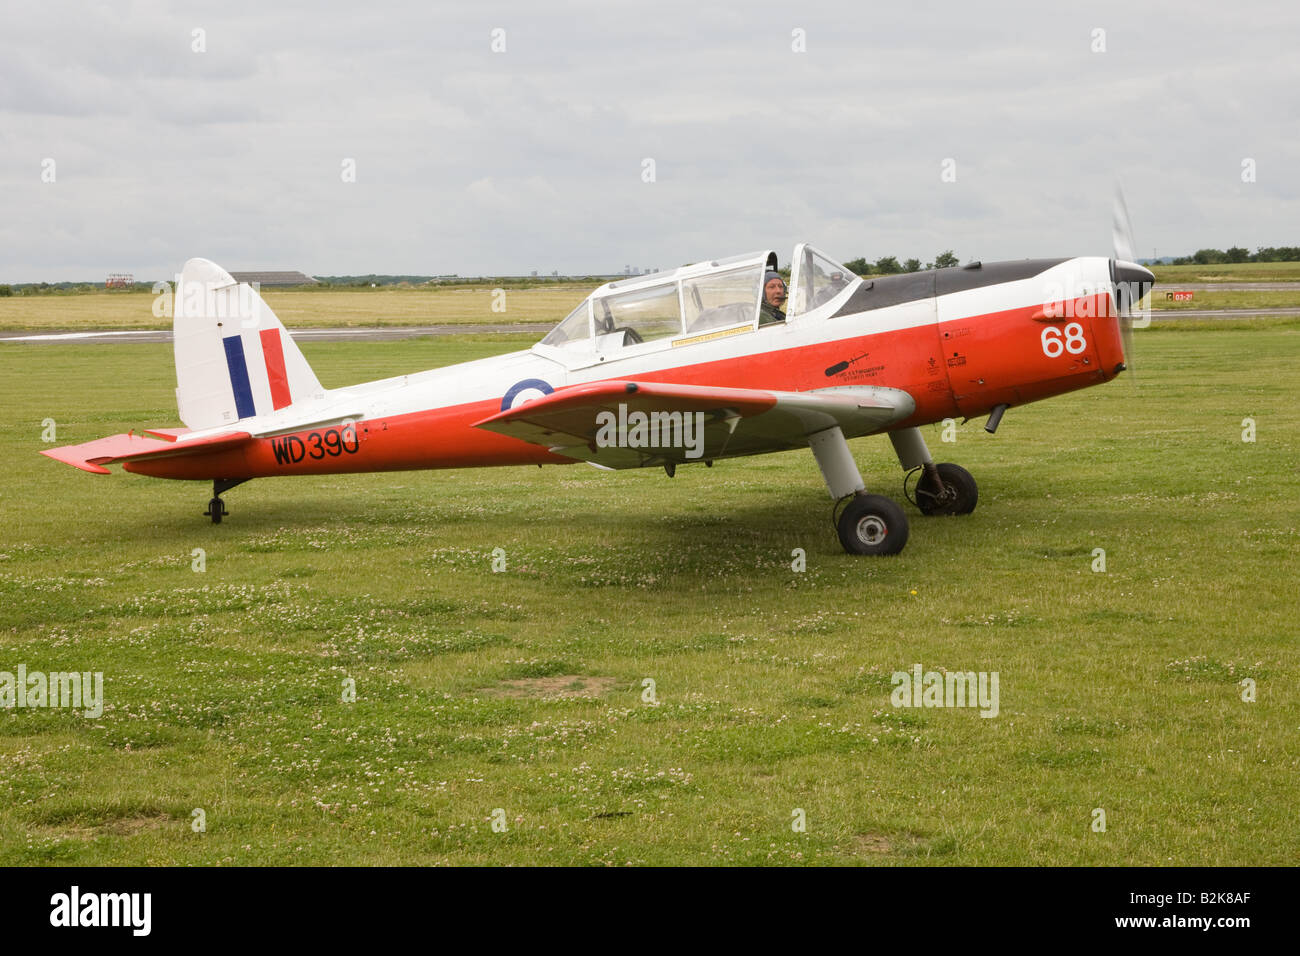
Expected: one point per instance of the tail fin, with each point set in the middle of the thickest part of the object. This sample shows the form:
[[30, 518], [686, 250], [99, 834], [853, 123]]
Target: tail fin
[[234, 359]]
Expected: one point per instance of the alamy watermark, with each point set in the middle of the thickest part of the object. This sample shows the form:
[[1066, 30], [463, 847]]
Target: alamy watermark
[[946, 689], [1075, 299], [130, 910], [651, 430], [77, 690], [209, 299]]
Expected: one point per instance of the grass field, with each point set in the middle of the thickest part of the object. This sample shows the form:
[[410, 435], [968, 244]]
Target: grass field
[[1230, 272], [545, 304], [523, 691], [1233, 299]]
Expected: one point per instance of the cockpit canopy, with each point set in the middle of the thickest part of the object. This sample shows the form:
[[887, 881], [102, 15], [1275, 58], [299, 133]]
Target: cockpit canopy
[[815, 279], [695, 299]]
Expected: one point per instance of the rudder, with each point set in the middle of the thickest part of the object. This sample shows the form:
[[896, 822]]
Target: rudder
[[234, 359]]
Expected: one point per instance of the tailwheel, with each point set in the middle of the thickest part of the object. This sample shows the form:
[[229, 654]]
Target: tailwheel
[[217, 509], [946, 489], [872, 524]]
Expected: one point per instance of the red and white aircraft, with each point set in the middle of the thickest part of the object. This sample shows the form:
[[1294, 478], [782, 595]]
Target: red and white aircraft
[[658, 370]]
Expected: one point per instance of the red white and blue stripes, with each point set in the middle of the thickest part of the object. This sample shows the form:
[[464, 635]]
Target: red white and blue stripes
[[277, 379]]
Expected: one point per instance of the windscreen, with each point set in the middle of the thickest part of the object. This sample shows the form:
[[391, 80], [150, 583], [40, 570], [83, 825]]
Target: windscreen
[[574, 329]]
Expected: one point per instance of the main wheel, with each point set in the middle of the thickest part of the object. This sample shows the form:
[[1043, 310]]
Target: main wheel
[[872, 524], [957, 497], [216, 508]]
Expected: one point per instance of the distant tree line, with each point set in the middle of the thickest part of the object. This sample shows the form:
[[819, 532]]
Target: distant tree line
[[889, 265], [67, 288], [1212, 257]]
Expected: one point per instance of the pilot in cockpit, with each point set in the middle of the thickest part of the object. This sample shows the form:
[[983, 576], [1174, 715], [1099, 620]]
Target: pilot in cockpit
[[774, 296]]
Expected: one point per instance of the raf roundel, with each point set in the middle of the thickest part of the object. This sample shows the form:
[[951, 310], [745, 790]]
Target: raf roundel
[[521, 392]]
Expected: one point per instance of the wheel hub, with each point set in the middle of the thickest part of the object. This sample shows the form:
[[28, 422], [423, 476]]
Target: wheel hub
[[871, 530], [943, 493]]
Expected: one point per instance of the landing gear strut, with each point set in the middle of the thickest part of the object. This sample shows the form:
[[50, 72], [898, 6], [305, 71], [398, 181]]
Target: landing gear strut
[[217, 507], [946, 489], [942, 489], [872, 524], [869, 524]]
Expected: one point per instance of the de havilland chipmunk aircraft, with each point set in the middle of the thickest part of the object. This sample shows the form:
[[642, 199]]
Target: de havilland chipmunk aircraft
[[659, 370]]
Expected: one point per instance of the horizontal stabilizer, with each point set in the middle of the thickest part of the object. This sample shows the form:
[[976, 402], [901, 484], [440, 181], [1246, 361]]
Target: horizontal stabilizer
[[92, 456]]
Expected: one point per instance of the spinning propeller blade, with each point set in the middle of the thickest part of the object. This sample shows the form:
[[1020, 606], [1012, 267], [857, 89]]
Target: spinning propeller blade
[[1131, 280]]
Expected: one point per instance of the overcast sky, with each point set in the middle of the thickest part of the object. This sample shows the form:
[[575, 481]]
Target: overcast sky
[[471, 161]]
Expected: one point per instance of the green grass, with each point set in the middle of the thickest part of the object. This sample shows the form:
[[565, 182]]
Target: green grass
[[523, 690], [313, 308], [1232, 299], [1230, 272], [1247, 323]]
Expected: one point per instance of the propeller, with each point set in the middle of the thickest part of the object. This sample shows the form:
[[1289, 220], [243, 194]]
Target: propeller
[[1131, 281]]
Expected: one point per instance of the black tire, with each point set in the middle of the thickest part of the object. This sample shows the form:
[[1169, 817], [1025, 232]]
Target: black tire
[[872, 524], [216, 510], [960, 492]]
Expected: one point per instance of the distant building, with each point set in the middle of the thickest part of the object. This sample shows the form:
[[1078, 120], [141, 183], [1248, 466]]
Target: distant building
[[273, 278]]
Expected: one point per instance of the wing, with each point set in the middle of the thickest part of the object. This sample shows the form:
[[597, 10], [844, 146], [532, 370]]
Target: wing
[[618, 424]]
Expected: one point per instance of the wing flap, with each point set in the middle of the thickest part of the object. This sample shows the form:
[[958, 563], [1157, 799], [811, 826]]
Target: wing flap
[[620, 424]]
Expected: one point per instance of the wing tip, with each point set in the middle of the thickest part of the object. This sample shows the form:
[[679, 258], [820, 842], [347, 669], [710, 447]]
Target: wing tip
[[74, 460]]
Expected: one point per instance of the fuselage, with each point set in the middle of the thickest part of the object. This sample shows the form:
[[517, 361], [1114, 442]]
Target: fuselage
[[960, 341]]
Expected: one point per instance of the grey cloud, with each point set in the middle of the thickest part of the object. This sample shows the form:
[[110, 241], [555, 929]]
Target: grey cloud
[[470, 161]]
